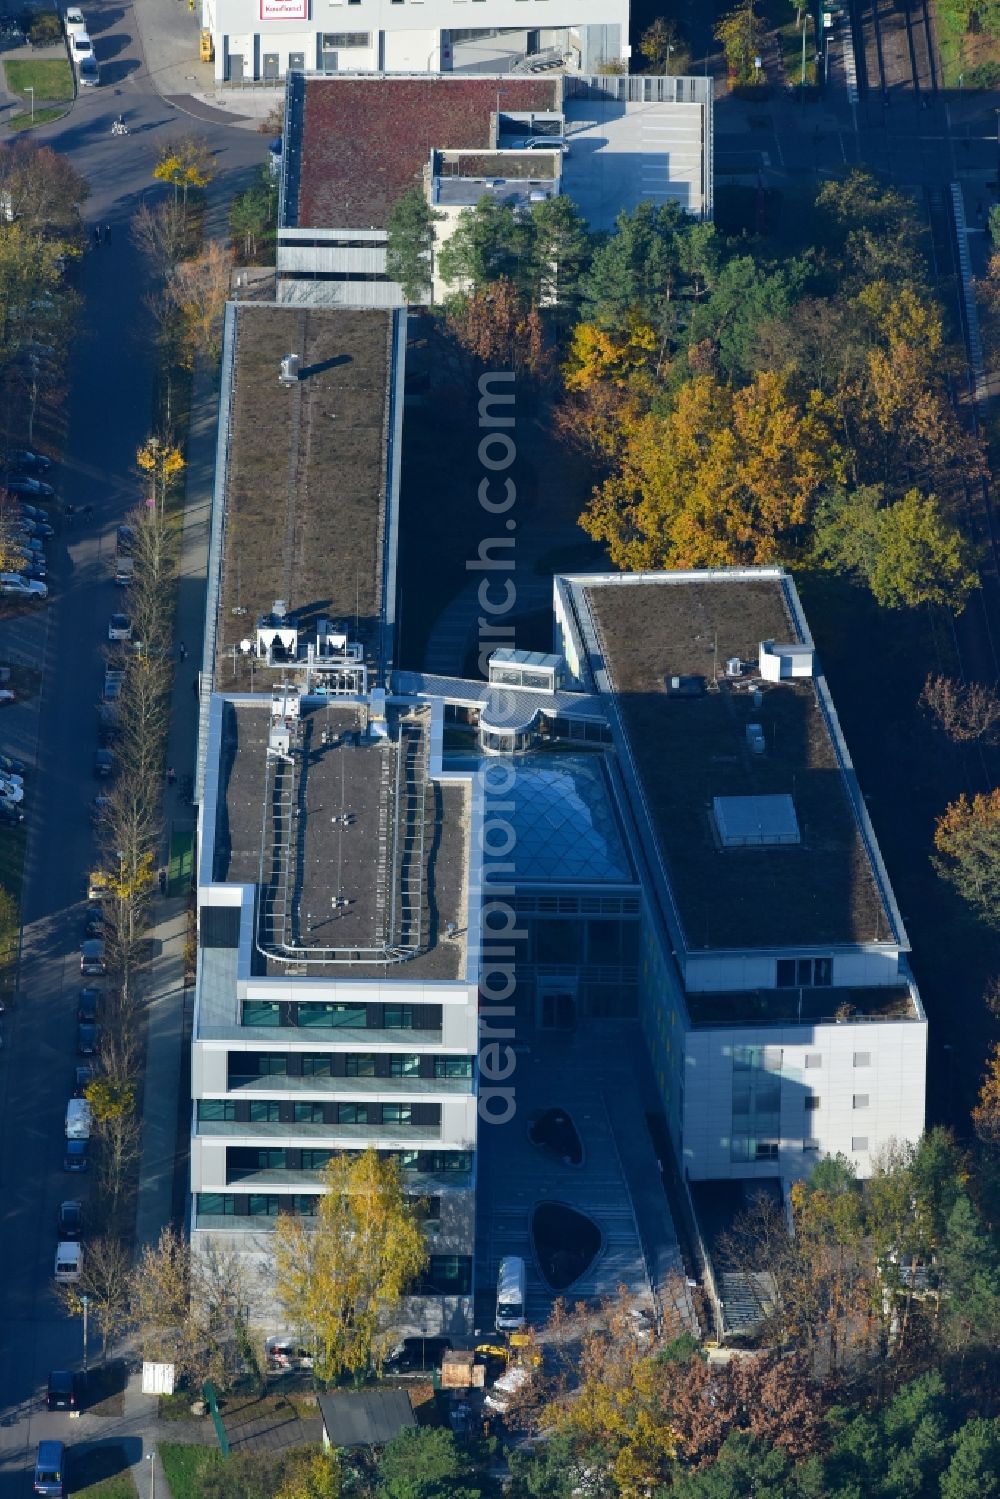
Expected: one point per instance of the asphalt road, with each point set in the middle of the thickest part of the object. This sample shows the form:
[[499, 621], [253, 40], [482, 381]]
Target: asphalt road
[[109, 414]]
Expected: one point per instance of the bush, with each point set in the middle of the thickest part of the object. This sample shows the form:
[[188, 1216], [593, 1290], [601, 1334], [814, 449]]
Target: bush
[[46, 29], [983, 75]]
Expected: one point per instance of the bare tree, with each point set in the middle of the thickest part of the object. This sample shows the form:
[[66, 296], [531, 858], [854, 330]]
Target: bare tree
[[966, 712], [105, 1279], [162, 236]]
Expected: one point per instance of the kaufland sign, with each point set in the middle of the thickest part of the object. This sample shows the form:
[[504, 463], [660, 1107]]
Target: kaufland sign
[[284, 10]]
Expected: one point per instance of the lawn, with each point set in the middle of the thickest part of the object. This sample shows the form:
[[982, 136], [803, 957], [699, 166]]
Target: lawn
[[184, 1467], [102, 1473], [968, 60], [40, 117], [782, 15], [50, 78]]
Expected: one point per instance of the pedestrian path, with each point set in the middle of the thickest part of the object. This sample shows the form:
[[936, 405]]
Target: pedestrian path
[[167, 1021]]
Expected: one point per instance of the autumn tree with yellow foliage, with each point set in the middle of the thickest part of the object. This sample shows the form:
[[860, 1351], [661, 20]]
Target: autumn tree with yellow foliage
[[339, 1278], [967, 844], [726, 477]]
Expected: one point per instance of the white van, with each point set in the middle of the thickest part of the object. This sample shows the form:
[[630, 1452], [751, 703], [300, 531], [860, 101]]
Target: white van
[[69, 1262], [511, 1292], [78, 1119]]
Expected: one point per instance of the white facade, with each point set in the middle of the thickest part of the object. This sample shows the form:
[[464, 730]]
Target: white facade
[[412, 1091], [266, 39], [766, 1101]]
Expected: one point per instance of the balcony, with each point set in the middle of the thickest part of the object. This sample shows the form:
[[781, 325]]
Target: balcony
[[346, 1136], [394, 1088]]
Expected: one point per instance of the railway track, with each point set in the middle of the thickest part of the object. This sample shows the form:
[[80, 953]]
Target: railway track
[[899, 78]]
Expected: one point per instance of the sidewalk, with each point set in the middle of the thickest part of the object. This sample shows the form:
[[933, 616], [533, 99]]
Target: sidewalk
[[169, 35], [163, 1107]]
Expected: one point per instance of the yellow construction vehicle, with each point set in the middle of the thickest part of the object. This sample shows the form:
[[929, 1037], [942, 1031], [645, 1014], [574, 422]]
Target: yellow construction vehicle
[[206, 48]]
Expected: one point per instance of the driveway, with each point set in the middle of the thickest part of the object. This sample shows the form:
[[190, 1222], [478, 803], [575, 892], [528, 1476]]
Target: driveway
[[109, 414]]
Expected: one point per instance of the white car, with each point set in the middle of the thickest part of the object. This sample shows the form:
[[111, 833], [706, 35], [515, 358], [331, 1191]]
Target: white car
[[11, 793], [80, 46], [74, 23], [542, 143], [119, 627], [22, 588]]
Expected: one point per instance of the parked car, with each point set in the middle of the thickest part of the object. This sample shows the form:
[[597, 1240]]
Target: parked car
[[75, 1157], [120, 627], [39, 528], [542, 143], [68, 1264], [49, 1479], [92, 959], [16, 586], [283, 1352], [126, 539], [104, 763], [10, 813], [6, 696], [64, 1385], [70, 1223], [10, 765], [93, 922], [88, 72], [80, 46], [100, 810], [29, 486], [86, 1040], [88, 1003], [27, 458], [32, 512], [82, 1076], [11, 791]]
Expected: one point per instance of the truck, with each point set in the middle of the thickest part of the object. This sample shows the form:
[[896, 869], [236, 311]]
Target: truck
[[124, 569]]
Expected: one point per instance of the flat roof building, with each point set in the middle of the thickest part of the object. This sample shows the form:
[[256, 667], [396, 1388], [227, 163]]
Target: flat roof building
[[335, 1001]]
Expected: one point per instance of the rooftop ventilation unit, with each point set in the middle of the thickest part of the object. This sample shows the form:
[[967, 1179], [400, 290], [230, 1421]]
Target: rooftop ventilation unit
[[289, 370], [734, 667], [778, 663]]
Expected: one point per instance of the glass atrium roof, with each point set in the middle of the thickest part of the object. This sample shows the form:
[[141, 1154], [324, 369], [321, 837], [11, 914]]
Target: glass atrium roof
[[565, 827]]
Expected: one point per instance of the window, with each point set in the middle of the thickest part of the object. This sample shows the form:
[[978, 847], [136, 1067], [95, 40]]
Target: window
[[360, 1064], [219, 1203], [305, 1203], [766, 1150], [814, 1059], [741, 1098], [812, 1103], [862, 1059], [211, 1110], [773, 1058], [332, 40], [264, 1063], [861, 1100], [745, 1057], [265, 1111], [859, 1142], [332, 1016], [398, 1017], [810, 1145], [315, 1160], [264, 1205], [308, 1113], [450, 1160], [261, 1012], [452, 1066], [403, 1065], [409, 1160], [446, 1275], [317, 1064], [396, 1113], [803, 973], [243, 1158], [352, 1113], [739, 1148]]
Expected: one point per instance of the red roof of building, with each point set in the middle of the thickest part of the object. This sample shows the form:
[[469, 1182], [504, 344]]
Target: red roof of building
[[366, 140]]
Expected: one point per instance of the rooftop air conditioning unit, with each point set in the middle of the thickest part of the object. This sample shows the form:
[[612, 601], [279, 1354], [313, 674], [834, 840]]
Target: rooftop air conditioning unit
[[289, 370], [734, 667]]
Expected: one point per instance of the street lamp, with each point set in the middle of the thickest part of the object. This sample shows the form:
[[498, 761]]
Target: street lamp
[[29, 89], [85, 1303], [151, 1460]]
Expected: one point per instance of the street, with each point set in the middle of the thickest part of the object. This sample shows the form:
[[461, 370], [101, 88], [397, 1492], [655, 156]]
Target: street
[[109, 414]]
